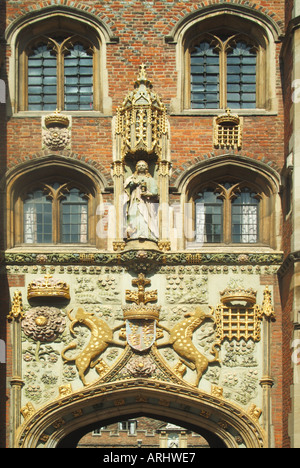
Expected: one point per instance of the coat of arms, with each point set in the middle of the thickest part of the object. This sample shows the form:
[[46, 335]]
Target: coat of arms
[[140, 317]]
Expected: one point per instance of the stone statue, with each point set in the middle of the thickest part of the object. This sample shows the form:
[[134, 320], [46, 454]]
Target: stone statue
[[142, 197]]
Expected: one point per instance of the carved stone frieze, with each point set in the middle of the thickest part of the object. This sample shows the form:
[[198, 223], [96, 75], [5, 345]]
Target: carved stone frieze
[[186, 289], [143, 260]]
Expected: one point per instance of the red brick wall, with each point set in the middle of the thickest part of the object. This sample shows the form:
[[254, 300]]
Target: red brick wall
[[147, 433], [141, 28]]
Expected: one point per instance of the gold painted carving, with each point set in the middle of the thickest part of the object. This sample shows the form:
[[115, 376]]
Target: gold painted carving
[[267, 307], [142, 119], [56, 119], [164, 245], [65, 390], [17, 312], [238, 322], [141, 318], [239, 317], [141, 296], [228, 130], [48, 287], [119, 245], [217, 391], [101, 338], [180, 338], [141, 311], [254, 412], [27, 411]]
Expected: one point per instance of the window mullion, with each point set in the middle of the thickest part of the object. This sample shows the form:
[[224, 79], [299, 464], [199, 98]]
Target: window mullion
[[56, 216], [227, 217], [223, 78], [60, 80]]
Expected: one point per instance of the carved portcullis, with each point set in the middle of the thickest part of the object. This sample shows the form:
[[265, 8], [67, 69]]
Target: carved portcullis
[[238, 316]]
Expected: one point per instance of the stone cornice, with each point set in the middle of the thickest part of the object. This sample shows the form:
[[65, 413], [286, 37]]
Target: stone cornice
[[141, 260], [292, 258]]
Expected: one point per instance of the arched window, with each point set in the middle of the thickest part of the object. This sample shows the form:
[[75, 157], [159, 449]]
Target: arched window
[[225, 60], [245, 217], [59, 74], [223, 72], [55, 213], [37, 218], [227, 212], [59, 62], [231, 202], [209, 217], [74, 217]]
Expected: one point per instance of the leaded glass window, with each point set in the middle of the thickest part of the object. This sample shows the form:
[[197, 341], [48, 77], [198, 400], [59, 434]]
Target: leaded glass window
[[205, 69], [37, 218], [74, 218], [241, 77], [227, 213], [78, 73], [245, 217], [209, 217], [55, 213], [223, 73], [60, 75]]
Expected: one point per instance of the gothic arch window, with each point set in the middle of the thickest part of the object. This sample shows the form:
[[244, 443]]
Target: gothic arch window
[[52, 202], [225, 59], [227, 212], [55, 213], [223, 72], [59, 74], [230, 203], [59, 61]]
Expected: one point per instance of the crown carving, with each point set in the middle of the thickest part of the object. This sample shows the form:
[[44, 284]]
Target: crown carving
[[56, 119], [48, 287], [228, 119], [141, 312], [141, 309], [238, 295]]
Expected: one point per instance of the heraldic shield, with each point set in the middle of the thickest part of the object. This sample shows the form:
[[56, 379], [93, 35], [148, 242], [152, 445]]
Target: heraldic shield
[[141, 317], [140, 334]]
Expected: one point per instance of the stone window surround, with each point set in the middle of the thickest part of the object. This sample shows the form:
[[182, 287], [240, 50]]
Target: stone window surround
[[46, 22], [258, 28]]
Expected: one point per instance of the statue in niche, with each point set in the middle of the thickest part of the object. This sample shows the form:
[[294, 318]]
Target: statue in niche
[[142, 197]]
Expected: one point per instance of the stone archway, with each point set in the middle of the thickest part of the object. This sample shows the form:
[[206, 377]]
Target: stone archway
[[60, 423]]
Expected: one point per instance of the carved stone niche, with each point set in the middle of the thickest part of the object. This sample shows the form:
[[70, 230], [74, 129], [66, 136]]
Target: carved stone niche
[[141, 120], [56, 131]]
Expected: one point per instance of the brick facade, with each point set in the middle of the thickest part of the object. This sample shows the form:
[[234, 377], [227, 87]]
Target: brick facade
[[148, 434]]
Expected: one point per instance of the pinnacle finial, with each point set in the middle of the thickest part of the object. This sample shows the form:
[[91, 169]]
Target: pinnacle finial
[[142, 78]]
